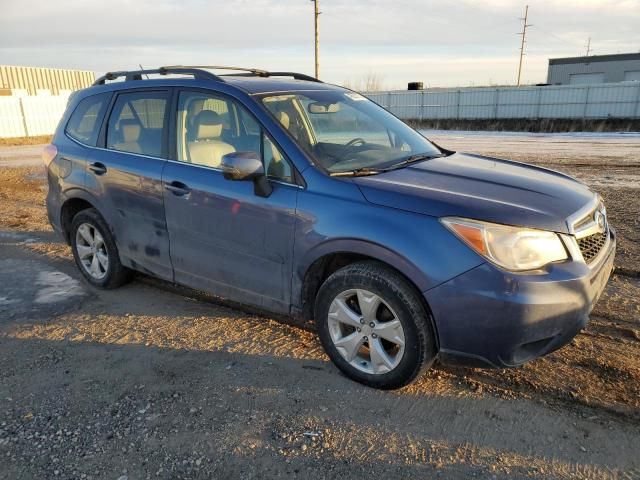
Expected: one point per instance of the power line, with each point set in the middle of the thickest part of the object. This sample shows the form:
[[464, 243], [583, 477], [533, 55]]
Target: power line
[[523, 34], [589, 46]]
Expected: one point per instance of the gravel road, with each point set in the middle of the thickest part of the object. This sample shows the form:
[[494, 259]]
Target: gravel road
[[21, 156], [156, 381]]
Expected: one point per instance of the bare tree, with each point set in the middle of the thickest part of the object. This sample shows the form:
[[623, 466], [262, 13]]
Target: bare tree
[[370, 82]]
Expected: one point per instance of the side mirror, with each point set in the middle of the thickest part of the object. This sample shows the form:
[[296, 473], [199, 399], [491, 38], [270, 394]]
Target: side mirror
[[240, 166]]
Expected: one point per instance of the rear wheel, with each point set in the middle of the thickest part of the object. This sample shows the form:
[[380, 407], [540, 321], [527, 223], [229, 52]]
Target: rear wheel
[[374, 326], [95, 251]]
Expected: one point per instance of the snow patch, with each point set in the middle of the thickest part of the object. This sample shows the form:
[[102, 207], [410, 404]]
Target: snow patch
[[57, 287]]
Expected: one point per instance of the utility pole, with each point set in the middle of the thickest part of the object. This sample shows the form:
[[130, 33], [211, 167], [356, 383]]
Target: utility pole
[[523, 34], [588, 46], [316, 13]]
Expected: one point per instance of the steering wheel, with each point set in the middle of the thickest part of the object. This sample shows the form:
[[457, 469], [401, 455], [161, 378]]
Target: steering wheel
[[355, 142]]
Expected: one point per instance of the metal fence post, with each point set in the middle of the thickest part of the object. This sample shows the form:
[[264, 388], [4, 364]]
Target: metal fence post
[[539, 102], [24, 118], [638, 101], [586, 104], [422, 107], [495, 104], [389, 102], [458, 105]]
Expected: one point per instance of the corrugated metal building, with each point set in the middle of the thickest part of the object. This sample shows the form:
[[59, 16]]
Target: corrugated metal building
[[594, 69], [33, 79]]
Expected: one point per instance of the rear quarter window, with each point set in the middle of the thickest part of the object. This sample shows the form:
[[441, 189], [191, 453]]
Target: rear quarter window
[[85, 121]]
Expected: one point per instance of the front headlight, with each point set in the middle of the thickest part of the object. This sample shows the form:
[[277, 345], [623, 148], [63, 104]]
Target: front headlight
[[512, 248]]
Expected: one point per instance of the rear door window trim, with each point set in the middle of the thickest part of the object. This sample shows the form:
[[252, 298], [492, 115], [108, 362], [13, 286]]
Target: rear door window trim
[[102, 137]]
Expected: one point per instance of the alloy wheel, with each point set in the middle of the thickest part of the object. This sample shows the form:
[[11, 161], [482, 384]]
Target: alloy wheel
[[366, 331], [92, 251]]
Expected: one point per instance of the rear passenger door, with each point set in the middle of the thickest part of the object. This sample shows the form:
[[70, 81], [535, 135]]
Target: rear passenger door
[[126, 175]]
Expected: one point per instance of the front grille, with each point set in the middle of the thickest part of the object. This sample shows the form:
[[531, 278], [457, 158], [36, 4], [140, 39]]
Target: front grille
[[590, 246]]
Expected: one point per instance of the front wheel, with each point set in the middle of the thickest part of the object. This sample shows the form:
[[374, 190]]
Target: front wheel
[[374, 326]]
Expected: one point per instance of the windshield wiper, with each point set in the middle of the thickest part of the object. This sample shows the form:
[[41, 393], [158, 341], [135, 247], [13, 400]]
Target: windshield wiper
[[358, 172], [415, 158], [373, 170]]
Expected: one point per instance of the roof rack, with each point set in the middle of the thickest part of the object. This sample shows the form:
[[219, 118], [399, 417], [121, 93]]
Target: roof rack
[[294, 75], [137, 74], [254, 71], [200, 72], [251, 72]]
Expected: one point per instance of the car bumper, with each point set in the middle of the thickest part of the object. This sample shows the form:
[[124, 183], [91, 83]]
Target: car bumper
[[487, 317]]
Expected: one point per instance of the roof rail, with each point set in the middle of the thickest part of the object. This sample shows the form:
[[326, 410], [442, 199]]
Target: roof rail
[[137, 74], [255, 71], [296, 76], [252, 71], [200, 72]]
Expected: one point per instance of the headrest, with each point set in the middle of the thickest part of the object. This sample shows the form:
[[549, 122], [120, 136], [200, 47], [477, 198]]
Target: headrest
[[208, 125], [130, 130], [195, 107], [283, 118]]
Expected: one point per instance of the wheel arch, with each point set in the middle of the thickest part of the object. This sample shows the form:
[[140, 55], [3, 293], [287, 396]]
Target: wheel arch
[[332, 256], [76, 201]]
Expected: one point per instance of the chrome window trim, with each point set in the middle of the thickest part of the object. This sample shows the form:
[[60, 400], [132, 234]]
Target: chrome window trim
[[281, 182], [116, 151], [77, 141]]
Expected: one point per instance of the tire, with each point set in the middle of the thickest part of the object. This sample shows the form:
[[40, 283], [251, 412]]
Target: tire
[[111, 274], [408, 353]]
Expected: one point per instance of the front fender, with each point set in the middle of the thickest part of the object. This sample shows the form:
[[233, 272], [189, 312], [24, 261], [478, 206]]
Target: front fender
[[417, 245], [367, 248]]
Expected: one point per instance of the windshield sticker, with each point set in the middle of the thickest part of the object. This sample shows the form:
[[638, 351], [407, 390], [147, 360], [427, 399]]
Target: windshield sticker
[[356, 97]]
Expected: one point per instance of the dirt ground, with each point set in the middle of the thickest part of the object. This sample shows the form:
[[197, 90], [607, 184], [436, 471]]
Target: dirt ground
[[156, 381]]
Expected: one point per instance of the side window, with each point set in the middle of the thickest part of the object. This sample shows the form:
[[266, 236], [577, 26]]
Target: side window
[[288, 111], [275, 163], [247, 122], [209, 127], [85, 121], [137, 122]]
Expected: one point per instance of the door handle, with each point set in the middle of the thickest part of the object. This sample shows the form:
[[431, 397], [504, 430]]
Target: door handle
[[98, 168], [177, 188]]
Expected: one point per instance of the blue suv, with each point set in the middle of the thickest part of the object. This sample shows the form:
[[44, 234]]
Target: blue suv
[[278, 191]]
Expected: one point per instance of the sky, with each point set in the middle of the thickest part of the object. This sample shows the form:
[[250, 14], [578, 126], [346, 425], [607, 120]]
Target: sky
[[441, 43]]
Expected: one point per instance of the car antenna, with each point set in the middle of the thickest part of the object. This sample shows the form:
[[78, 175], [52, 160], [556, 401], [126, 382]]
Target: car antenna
[[142, 69]]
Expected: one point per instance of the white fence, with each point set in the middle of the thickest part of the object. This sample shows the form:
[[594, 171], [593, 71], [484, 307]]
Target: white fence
[[28, 116], [22, 116], [610, 100]]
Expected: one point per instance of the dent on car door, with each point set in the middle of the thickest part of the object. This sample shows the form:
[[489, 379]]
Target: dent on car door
[[224, 238], [127, 176]]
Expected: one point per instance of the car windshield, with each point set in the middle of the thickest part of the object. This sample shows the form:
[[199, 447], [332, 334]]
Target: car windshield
[[346, 133]]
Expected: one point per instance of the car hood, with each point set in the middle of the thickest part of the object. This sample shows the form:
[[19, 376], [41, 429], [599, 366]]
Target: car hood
[[479, 187]]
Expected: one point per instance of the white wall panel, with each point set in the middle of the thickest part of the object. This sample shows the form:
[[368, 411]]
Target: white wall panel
[[31, 115], [615, 100], [11, 120]]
